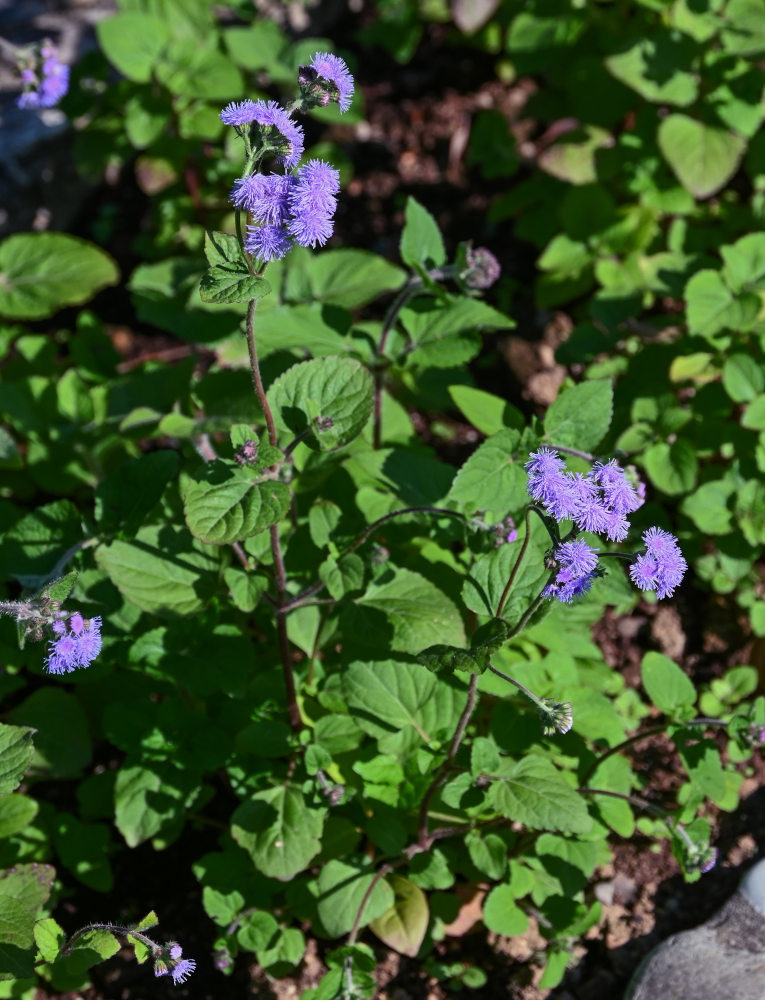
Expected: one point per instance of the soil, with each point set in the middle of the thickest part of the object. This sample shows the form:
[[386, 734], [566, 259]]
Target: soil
[[414, 141]]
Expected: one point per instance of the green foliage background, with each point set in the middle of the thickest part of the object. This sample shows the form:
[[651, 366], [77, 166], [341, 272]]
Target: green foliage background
[[640, 199]]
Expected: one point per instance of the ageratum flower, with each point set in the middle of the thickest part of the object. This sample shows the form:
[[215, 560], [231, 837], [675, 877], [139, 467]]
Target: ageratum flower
[[557, 716], [312, 203], [75, 647], [238, 113], [45, 87], [333, 73], [267, 243], [577, 561], [264, 196], [482, 268], [662, 566], [287, 133]]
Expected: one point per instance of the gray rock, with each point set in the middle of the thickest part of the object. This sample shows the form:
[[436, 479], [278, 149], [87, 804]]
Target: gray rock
[[725, 957]]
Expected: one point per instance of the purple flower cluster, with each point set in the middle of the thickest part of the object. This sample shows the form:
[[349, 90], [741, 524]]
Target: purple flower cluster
[[180, 968], [599, 502], [334, 79], [277, 127], [289, 208], [45, 87], [76, 646], [662, 566], [577, 561]]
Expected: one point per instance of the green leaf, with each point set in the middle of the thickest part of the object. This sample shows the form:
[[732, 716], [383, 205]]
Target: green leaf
[[486, 582], [24, 890], [193, 67], [279, 831], [401, 703], [342, 887], [83, 848], [16, 811], [34, 545], [405, 610], [533, 792], [151, 801], [342, 576], [41, 273], [332, 396], [484, 642], [501, 914], [15, 755], [490, 414], [403, 926], [133, 43], [50, 938], [673, 468], [126, 496], [712, 307], [488, 852], [223, 504], [743, 377], [702, 157], [744, 30], [666, 684], [223, 248], [492, 480], [232, 283], [162, 571], [351, 278], [754, 415], [62, 745], [580, 416], [750, 511], [744, 268], [323, 517], [421, 242], [708, 507], [657, 67], [445, 334]]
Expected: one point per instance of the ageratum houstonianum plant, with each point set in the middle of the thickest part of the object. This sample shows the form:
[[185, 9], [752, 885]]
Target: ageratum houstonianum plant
[[366, 674]]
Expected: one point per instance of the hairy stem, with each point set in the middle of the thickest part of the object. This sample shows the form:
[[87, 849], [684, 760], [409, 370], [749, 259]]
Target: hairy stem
[[257, 381], [639, 736], [572, 451], [443, 770], [410, 288]]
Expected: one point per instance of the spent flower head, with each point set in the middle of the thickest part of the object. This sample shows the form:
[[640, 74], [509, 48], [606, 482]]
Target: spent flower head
[[482, 268], [557, 716]]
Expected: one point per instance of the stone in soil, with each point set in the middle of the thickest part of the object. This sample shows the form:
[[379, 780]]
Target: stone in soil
[[723, 957]]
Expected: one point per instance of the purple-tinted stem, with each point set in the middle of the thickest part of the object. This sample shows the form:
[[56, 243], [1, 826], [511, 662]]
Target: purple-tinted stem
[[410, 288], [521, 554], [652, 731]]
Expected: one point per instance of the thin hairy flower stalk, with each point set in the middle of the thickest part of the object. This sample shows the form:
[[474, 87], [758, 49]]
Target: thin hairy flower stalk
[[257, 381], [113, 929], [317, 587], [636, 737], [658, 811], [521, 687], [573, 451], [296, 441], [281, 630], [380, 874], [532, 608], [443, 770], [410, 288], [517, 566]]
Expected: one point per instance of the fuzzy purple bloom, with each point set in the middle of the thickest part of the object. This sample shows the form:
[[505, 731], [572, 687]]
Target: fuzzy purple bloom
[[265, 196], [76, 647], [710, 861], [332, 70], [577, 557], [267, 243], [175, 952], [271, 114], [662, 566], [46, 85], [619, 495], [239, 113], [312, 203], [183, 969]]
